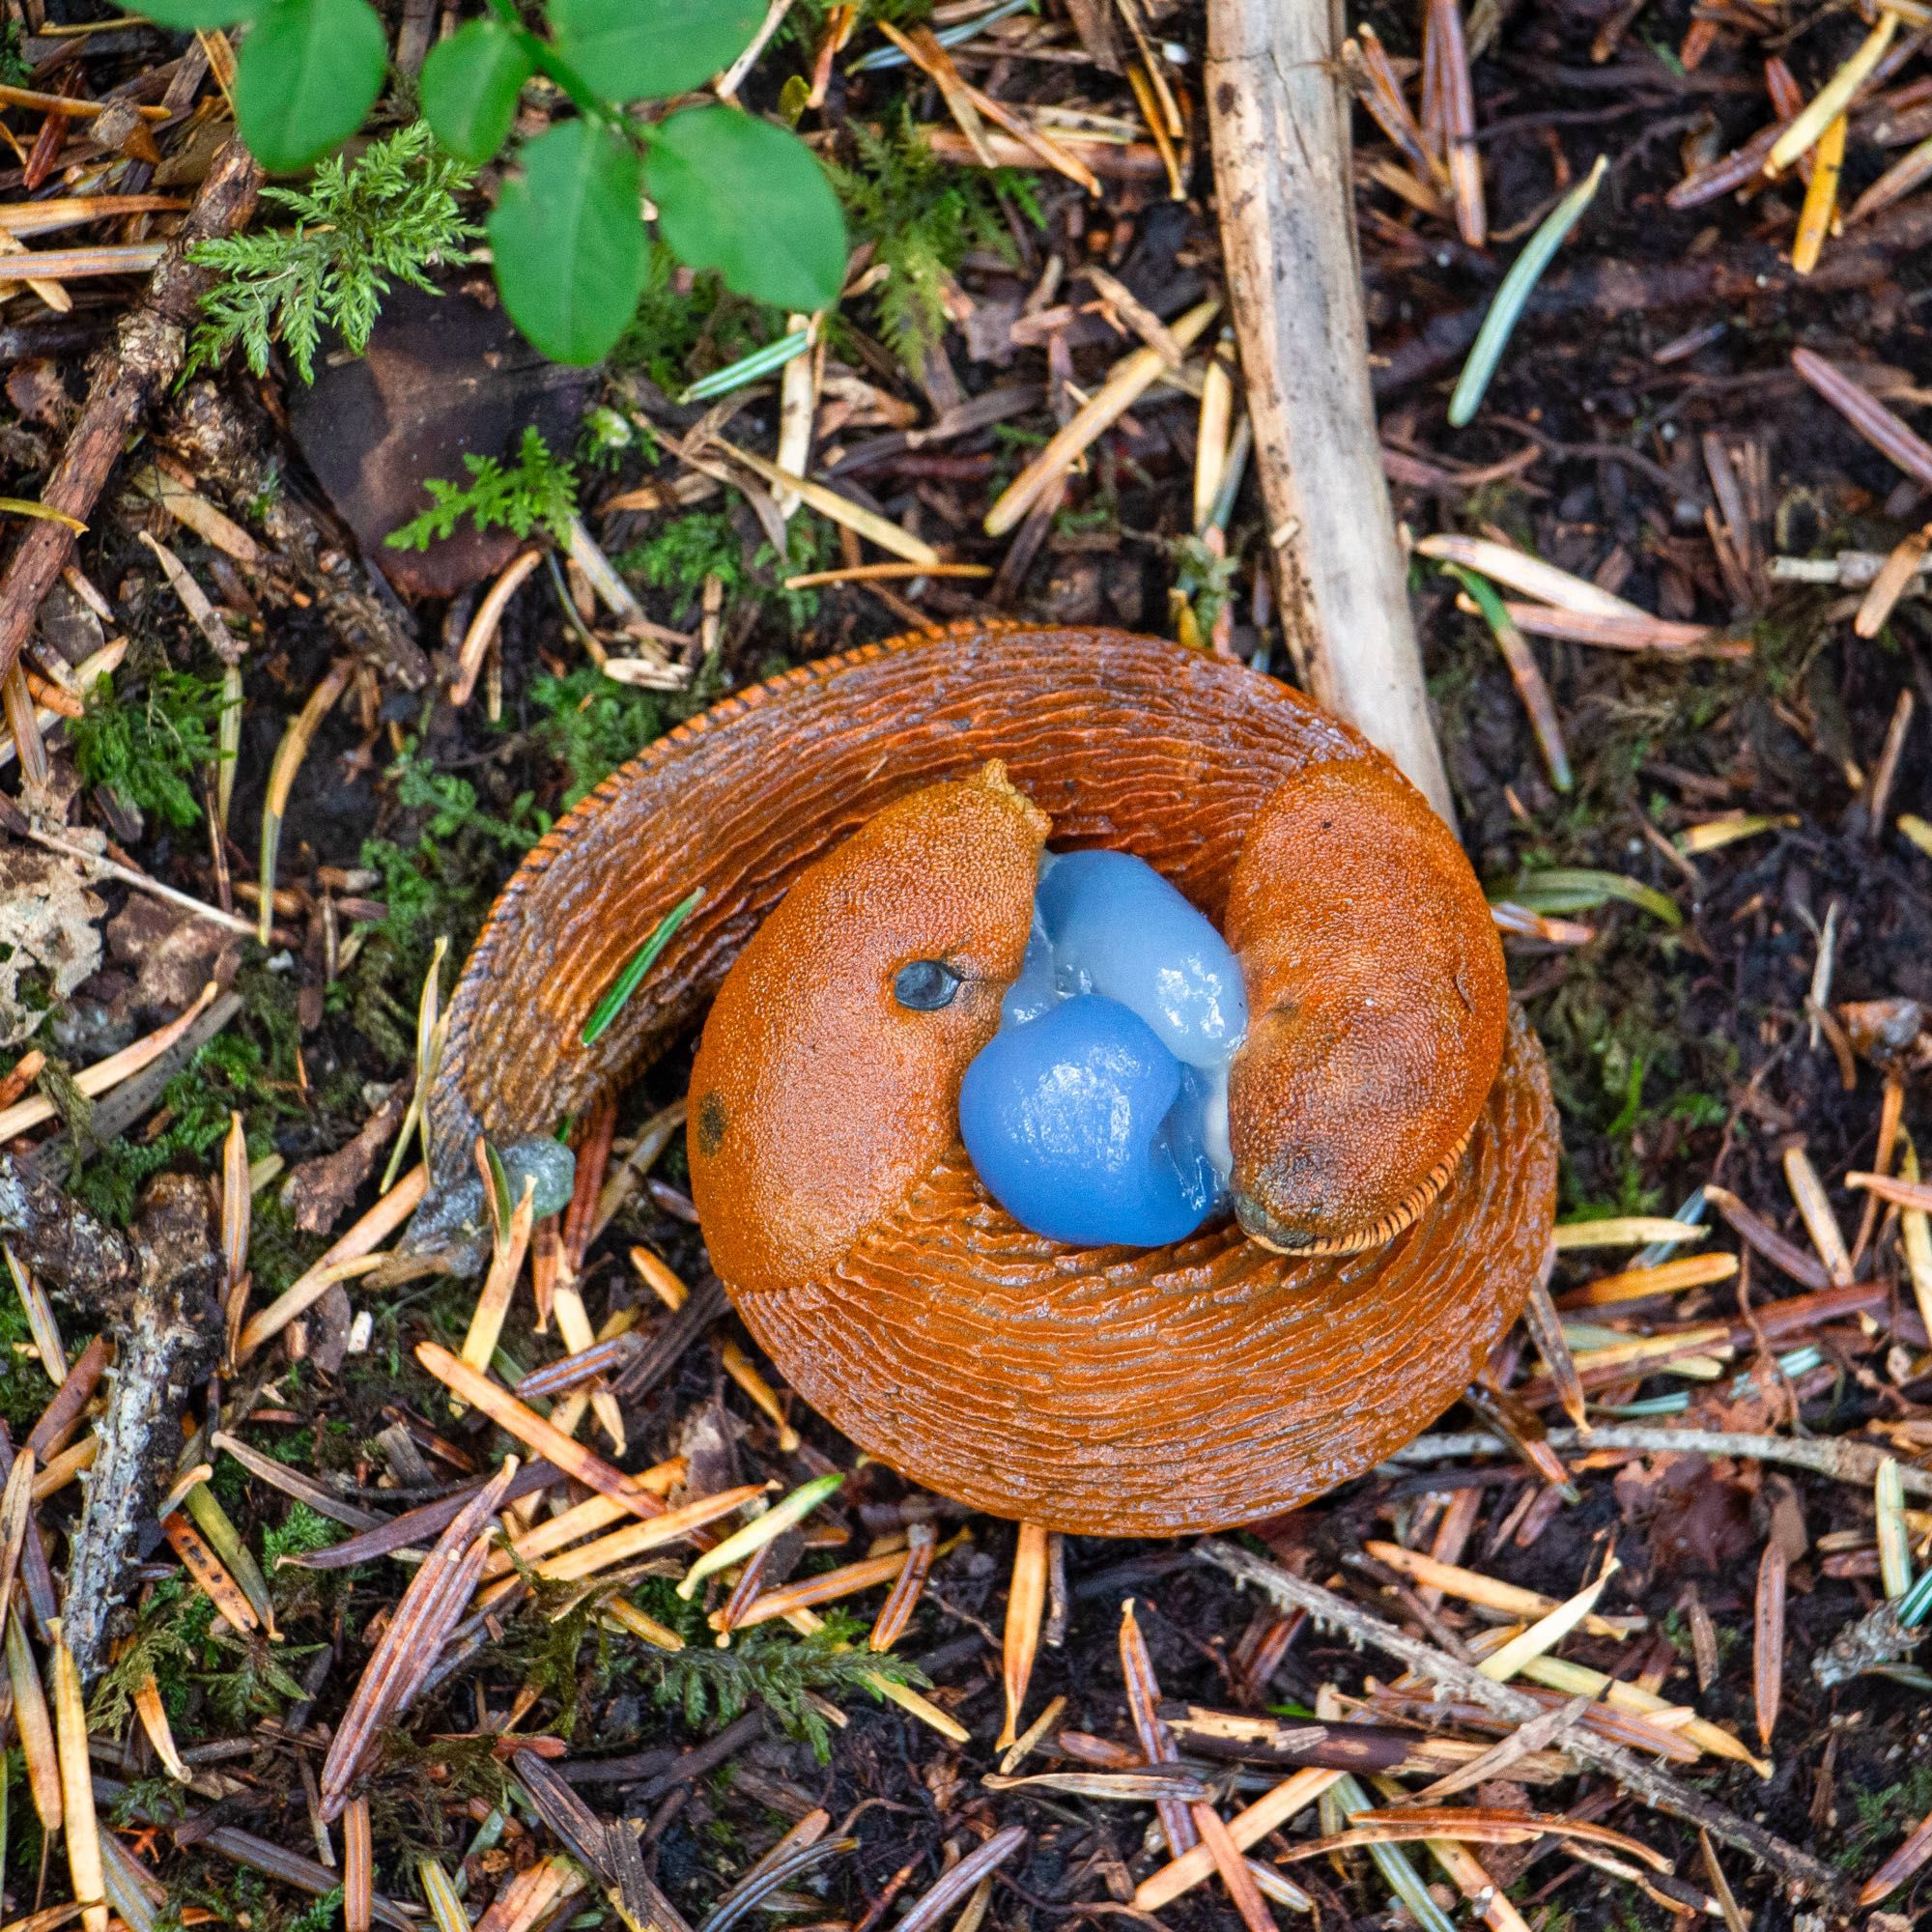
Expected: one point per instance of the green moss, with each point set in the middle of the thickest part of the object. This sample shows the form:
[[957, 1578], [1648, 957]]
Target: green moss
[[684, 551], [778, 1668], [150, 743], [591, 725], [1883, 1812], [233, 1072], [922, 217]]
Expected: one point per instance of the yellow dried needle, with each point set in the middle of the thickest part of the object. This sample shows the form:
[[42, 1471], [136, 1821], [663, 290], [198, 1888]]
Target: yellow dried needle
[[1895, 1538], [34, 1725], [444, 1907], [755, 1534], [288, 759], [1548, 1632], [1832, 98], [429, 1050], [81, 1828], [1821, 198]]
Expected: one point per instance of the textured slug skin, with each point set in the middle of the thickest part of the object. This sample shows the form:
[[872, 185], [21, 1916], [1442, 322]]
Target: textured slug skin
[[817, 1102], [1376, 1007], [1114, 1392]]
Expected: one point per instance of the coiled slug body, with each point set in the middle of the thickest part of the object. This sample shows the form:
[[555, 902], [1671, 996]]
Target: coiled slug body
[[1112, 1391]]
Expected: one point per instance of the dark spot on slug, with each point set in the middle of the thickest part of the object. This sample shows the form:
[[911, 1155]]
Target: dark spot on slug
[[711, 1121], [925, 986]]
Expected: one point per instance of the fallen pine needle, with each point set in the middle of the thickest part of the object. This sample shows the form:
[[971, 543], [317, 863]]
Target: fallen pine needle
[[410, 1646], [1821, 198], [1131, 376], [1548, 1632], [530, 1428], [1509, 1598], [755, 1534], [633, 1541], [484, 625], [1896, 574], [1902, 1864], [1486, 1827], [1712, 834], [1518, 570], [80, 1827], [211, 1576], [1767, 1632], [154, 1715], [1831, 99], [1866, 413], [1025, 1604], [34, 1727], [1525, 673], [1624, 1230], [884, 573], [1506, 310], [350, 1252], [841, 510], [1639, 1284], [1268, 1813]]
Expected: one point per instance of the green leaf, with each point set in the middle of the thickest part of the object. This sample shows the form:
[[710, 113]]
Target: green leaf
[[189, 15], [631, 48], [469, 88], [569, 243], [737, 195], [1572, 889], [310, 71]]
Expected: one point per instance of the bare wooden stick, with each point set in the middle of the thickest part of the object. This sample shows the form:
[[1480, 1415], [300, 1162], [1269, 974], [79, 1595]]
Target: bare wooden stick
[[1643, 1782], [1822, 1455], [1278, 115]]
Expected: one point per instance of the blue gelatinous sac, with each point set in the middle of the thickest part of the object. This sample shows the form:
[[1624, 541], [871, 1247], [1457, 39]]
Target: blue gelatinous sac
[[1118, 927], [1073, 1121], [1098, 1113]]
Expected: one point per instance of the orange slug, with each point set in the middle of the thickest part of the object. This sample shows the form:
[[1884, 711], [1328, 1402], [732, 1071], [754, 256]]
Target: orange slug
[[1393, 1138]]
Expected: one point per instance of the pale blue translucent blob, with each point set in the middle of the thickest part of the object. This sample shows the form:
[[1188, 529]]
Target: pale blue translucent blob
[[1118, 928], [1075, 1123], [547, 1162], [1098, 1113]]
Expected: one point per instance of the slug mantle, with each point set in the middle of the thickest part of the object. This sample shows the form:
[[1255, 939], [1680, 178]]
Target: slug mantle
[[1103, 1391]]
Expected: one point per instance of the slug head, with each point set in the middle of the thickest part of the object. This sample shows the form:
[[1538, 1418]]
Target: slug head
[[1378, 1005], [827, 1081]]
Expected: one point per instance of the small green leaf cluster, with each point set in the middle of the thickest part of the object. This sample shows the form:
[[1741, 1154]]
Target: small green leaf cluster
[[388, 216], [731, 191], [537, 491], [150, 751]]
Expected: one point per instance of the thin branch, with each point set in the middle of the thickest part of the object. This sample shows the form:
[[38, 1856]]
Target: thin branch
[[1824, 1456], [1643, 1782]]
